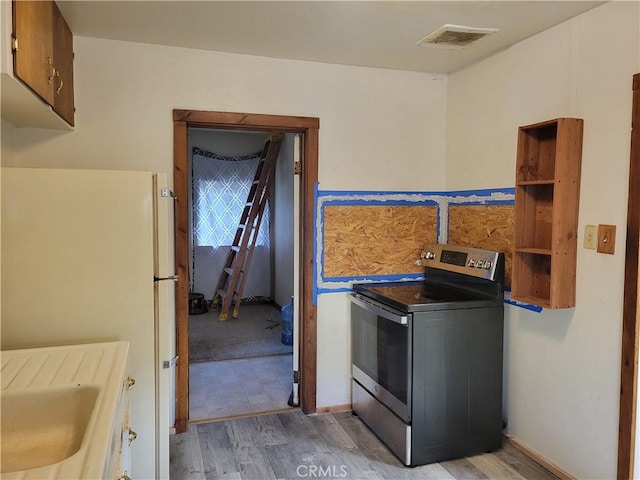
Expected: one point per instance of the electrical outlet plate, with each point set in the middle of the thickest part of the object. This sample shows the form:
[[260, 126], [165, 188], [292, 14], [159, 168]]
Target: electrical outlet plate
[[607, 239], [590, 237]]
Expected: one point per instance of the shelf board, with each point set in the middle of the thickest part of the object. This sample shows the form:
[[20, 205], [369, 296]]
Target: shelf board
[[536, 182], [537, 251], [546, 123], [541, 302]]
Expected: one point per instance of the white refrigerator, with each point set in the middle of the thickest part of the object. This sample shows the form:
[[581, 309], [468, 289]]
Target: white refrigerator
[[85, 258]]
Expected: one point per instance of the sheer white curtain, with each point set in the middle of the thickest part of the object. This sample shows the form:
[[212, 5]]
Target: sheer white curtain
[[220, 186]]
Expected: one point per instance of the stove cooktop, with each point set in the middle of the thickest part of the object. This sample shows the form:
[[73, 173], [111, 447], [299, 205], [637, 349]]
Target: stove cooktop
[[455, 277], [415, 296], [410, 293]]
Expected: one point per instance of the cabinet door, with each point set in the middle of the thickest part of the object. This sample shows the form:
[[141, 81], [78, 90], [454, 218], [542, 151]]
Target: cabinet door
[[63, 61], [33, 59]]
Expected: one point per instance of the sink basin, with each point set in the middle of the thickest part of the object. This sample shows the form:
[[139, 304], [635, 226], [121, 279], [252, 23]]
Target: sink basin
[[43, 426], [59, 416]]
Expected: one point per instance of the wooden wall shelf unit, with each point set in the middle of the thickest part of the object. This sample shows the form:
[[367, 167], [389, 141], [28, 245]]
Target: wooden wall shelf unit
[[548, 164]]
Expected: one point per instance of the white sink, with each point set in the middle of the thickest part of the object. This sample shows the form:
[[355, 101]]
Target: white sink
[[58, 408], [43, 426]]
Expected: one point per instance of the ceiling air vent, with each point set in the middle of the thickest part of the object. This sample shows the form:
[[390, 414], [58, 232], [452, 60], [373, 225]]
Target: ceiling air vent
[[455, 36]]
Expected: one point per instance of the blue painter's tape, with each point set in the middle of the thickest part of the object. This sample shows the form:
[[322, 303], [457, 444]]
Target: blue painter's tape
[[381, 201], [481, 193], [347, 195], [441, 200], [439, 233], [371, 193], [319, 239], [314, 289], [487, 201], [526, 306], [377, 278], [334, 290], [515, 303], [355, 199]]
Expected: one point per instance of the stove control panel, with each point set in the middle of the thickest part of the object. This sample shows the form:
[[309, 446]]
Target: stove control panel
[[467, 260], [486, 264]]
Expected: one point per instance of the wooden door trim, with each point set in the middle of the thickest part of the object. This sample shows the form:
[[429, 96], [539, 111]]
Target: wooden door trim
[[181, 239], [245, 121], [630, 313], [307, 127]]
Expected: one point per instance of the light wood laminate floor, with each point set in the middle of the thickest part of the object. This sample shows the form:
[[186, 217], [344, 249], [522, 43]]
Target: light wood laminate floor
[[291, 445], [239, 387]]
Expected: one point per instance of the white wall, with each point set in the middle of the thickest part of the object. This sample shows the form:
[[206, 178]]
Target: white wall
[[334, 363], [562, 371], [7, 147], [7, 139], [370, 119], [6, 27], [379, 130]]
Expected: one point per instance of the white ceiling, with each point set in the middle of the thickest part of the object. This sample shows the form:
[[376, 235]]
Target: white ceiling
[[366, 33]]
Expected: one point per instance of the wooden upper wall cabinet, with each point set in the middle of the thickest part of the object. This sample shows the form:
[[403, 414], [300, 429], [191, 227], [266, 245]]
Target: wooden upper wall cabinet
[[548, 164], [43, 54]]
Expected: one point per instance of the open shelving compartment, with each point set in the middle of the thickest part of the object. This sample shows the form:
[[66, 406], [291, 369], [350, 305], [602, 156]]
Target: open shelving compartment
[[546, 212]]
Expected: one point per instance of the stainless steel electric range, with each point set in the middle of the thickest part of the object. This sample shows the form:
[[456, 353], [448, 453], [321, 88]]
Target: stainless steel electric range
[[427, 356]]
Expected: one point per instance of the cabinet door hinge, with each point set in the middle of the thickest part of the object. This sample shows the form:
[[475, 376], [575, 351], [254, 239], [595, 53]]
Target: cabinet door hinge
[[14, 44], [296, 376], [297, 168]]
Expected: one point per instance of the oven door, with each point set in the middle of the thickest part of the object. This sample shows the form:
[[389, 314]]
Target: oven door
[[381, 353]]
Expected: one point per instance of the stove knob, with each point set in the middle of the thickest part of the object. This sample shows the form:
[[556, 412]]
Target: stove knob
[[429, 255]]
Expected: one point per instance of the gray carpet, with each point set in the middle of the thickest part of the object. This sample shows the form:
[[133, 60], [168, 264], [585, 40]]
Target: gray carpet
[[255, 333]]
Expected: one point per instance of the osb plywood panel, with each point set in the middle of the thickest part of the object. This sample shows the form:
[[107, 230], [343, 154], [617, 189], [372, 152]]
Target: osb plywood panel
[[484, 226], [376, 239]]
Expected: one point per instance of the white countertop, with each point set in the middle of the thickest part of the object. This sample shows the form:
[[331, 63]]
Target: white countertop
[[100, 366]]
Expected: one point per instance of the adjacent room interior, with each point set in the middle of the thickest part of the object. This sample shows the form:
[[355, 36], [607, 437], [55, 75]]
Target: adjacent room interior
[[240, 363]]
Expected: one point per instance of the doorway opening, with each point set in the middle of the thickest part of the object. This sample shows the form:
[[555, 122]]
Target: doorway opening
[[307, 129], [242, 366]]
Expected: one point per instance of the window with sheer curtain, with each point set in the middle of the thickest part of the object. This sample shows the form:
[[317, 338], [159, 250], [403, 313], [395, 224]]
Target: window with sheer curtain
[[220, 186]]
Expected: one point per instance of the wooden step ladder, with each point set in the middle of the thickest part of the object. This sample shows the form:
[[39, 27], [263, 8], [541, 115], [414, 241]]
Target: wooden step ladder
[[234, 274]]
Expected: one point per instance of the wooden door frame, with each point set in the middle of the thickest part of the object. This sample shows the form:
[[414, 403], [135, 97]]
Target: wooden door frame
[[631, 308], [307, 127]]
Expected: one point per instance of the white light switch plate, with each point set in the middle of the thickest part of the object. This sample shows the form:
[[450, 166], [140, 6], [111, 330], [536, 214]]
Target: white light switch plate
[[590, 237]]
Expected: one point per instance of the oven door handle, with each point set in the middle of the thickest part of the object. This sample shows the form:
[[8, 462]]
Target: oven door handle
[[379, 310]]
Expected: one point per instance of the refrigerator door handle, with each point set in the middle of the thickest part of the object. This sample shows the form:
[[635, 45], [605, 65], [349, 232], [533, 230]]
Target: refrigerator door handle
[[170, 277], [165, 192], [170, 363]]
